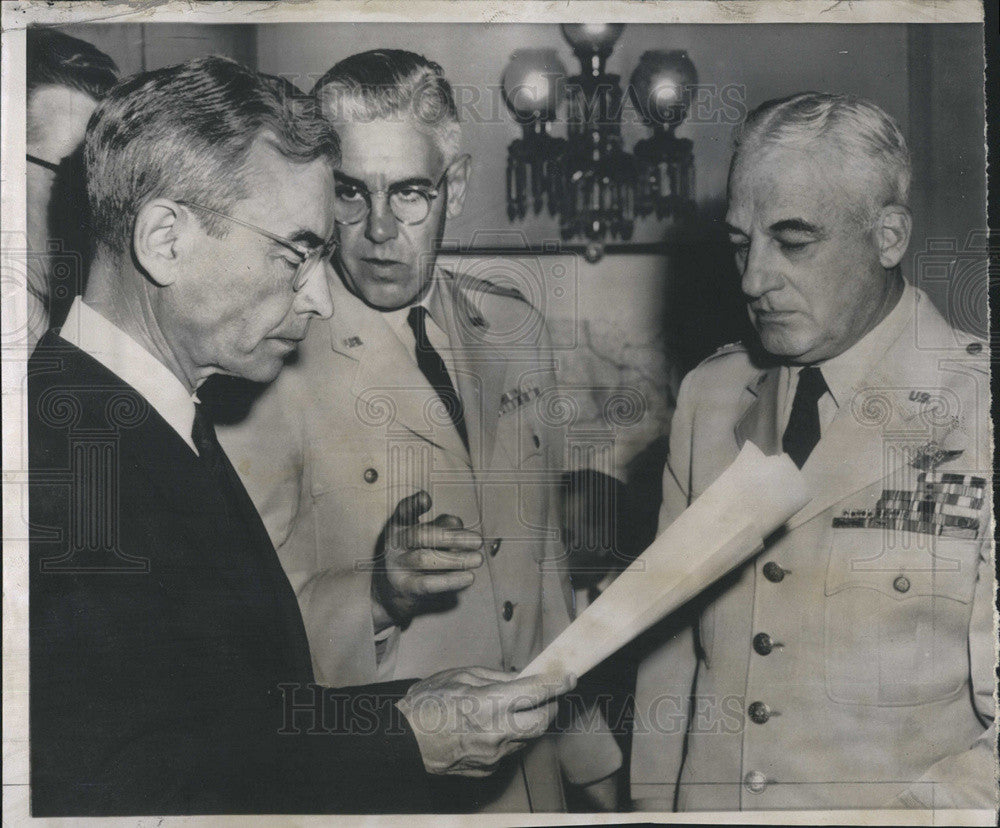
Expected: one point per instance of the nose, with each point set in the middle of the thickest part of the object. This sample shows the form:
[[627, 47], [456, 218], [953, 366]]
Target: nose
[[381, 223], [314, 297], [759, 275]]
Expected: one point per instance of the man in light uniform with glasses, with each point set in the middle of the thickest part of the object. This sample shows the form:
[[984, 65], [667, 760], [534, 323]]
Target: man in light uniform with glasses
[[414, 402]]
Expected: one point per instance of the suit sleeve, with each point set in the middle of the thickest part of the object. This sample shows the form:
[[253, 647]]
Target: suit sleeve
[[669, 662], [104, 744], [144, 701], [968, 779]]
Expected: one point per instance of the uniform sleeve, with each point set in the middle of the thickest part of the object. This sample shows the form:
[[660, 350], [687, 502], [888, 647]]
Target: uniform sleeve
[[557, 593], [669, 661], [587, 749], [969, 779]]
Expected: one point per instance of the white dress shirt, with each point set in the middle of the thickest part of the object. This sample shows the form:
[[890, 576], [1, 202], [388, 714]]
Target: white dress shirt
[[101, 339]]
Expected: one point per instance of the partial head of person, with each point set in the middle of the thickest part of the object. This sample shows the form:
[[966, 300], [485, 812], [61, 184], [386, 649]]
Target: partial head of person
[[211, 201], [818, 216], [65, 78], [401, 172]]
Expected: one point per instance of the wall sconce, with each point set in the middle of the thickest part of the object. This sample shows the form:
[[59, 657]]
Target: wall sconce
[[588, 179], [533, 87], [661, 90]]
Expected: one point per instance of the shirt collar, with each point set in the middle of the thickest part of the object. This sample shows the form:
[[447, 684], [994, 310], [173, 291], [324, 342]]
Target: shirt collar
[[101, 339], [844, 371], [398, 319]]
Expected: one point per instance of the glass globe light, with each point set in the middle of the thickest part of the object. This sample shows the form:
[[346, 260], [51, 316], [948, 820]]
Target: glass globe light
[[661, 86], [533, 84], [592, 38]]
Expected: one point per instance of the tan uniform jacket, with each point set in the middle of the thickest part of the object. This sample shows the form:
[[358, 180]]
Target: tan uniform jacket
[[874, 684], [353, 426]]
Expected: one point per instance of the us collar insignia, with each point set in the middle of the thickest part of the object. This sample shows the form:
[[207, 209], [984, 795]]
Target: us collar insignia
[[352, 341], [930, 456]]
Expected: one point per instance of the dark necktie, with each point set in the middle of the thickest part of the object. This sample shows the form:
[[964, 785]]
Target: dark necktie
[[802, 432], [433, 368], [211, 454]]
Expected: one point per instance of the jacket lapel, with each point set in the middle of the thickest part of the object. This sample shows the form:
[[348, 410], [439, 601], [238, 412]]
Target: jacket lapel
[[385, 376], [874, 432], [760, 422], [479, 364]]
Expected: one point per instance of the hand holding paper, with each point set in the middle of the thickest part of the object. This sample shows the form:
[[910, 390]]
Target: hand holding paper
[[724, 527]]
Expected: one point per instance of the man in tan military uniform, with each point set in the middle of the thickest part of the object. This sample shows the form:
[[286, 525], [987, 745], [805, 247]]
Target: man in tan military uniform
[[423, 381], [850, 664]]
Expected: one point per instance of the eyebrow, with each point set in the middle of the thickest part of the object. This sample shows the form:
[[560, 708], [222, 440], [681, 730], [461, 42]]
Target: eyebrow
[[308, 238], [794, 225], [415, 181]]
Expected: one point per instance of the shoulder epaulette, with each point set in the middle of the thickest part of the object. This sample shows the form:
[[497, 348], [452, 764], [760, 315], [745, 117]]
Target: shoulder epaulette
[[723, 350], [483, 286]]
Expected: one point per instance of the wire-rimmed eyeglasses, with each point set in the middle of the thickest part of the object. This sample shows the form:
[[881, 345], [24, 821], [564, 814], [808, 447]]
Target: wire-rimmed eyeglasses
[[409, 203], [308, 256]]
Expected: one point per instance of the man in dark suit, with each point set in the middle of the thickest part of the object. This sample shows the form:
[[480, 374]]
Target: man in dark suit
[[170, 671]]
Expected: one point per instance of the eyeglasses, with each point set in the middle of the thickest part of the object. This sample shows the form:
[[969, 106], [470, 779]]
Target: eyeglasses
[[410, 204], [41, 162], [308, 256]]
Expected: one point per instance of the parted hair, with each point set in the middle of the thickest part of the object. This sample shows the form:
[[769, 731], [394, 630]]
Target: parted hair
[[868, 141], [184, 132], [387, 83]]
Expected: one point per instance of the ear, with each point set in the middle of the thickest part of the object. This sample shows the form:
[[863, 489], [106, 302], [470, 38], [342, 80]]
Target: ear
[[892, 234], [157, 238], [458, 180]]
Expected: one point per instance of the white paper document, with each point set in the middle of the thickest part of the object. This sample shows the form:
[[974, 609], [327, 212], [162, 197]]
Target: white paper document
[[720, 530]]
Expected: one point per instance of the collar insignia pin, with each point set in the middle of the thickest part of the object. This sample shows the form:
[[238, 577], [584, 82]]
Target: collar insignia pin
[[930, 456]]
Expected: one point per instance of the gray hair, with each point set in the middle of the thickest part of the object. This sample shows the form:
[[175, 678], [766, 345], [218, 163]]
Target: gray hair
[[868, 140], [385, 83], [184, 133]]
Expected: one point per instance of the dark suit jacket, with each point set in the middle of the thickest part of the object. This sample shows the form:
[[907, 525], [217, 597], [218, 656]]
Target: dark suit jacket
[[166, 640]]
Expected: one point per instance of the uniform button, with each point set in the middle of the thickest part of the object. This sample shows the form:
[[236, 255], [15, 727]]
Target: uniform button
[[755, 782], [508, 610], [901, 584], [759, 712], [974, 348], [773, 572], [495, 547], [370, 475], [763, 644]]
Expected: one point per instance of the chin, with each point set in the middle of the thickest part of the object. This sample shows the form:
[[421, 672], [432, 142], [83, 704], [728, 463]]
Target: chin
[[262, 371], [385, 294], [779, 342]]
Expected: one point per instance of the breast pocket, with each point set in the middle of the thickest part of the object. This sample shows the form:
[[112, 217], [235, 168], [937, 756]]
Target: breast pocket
[[897, 608]]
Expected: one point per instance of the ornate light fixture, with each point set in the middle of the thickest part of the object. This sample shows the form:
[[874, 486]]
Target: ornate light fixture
[[661, 91], [588, 179], [533, 88]]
